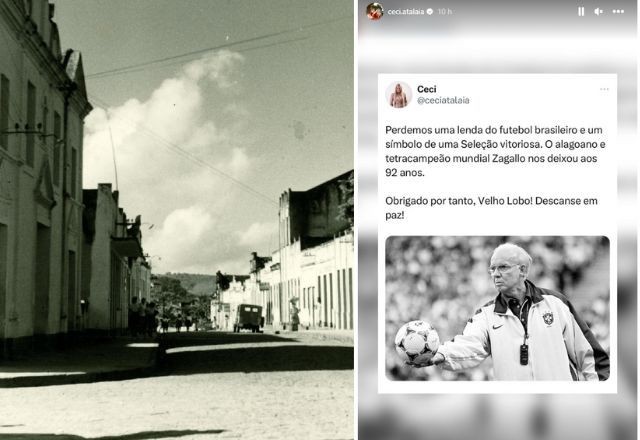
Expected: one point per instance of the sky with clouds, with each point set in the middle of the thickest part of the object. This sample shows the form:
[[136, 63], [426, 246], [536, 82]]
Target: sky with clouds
[[205, 143]]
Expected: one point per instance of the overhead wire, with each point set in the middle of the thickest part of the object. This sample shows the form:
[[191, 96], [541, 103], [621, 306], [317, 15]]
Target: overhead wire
[[124, 69], [187, 155], [175, 63], [182, 58]]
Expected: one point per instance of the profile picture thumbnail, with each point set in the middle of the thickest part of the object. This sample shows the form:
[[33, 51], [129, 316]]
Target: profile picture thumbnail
[[398, 94], [374, 11]]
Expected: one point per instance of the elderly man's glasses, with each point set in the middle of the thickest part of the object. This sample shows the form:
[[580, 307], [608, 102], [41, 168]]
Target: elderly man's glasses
[[501, 268]]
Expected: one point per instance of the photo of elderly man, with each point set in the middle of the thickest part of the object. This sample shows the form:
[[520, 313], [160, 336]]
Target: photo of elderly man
[[529, 332]]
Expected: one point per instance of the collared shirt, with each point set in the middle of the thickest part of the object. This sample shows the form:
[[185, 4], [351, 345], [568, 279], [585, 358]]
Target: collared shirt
[[560, 344], [522, 312]]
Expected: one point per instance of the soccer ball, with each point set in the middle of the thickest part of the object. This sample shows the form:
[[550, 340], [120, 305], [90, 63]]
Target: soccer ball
[[417, 342]]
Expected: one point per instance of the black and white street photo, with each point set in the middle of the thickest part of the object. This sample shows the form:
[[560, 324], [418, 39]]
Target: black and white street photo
[[176, 219], [497, 308]]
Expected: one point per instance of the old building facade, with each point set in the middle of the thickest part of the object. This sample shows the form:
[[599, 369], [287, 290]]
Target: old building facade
[[114, 269], [311, 273], [229, 295], [43, 103]]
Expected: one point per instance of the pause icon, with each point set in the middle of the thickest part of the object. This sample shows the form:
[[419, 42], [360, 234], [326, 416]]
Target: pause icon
[[580, 11]]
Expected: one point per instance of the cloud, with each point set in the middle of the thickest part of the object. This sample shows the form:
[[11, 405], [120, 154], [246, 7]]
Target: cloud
[[239, 161], [183, 229], [206, 136], [220, 68], [168, 150], [183, 240], [196, 240], [173, 127], [259, 233], [193, 240]]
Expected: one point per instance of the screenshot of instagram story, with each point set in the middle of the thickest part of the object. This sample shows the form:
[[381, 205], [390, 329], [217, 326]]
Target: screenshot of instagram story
[[177, 219], [497, 227]]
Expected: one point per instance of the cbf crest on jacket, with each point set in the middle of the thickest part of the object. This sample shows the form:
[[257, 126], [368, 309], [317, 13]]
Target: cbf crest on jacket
[[551, 342]]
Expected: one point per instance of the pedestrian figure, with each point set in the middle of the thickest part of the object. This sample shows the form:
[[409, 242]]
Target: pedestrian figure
[[295, 318], [187, 322], [142, 317], [164, 323], [151, 324], [178, 322], [134, 311]]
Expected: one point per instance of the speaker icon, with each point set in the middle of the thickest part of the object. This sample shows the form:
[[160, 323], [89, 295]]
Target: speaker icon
[[598, 11]]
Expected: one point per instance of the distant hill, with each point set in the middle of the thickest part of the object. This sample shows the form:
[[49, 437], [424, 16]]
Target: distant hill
[[197, 284]]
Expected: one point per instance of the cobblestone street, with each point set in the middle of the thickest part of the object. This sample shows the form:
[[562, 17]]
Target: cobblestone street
[[210, 385]]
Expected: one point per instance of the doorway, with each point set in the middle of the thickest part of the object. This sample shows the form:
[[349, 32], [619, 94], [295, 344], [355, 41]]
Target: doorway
[[42, 279]]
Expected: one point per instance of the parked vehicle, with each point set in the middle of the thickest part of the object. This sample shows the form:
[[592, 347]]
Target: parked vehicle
[[248, 316]]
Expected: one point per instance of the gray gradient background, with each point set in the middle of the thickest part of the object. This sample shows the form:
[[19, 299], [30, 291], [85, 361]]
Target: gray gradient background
[[571, 44]]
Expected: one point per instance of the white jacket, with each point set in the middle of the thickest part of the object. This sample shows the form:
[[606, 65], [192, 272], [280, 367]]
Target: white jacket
[[560, 344]]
